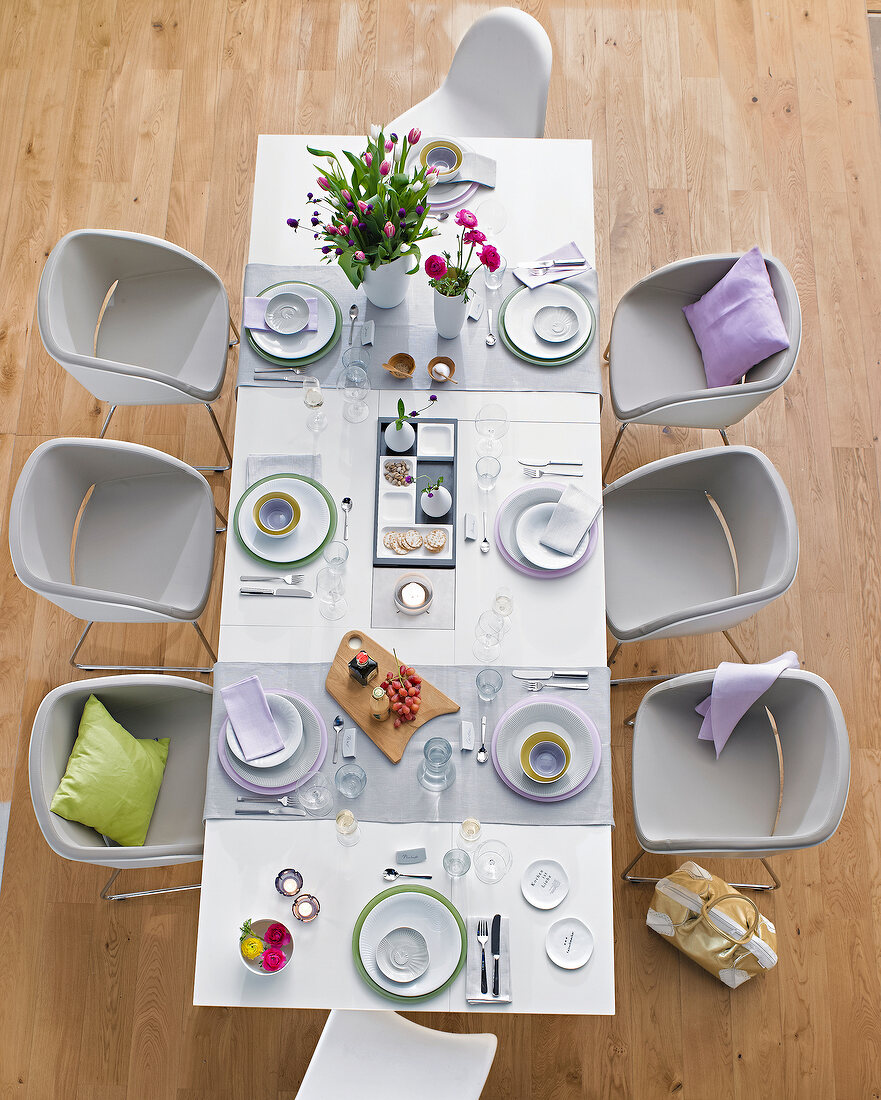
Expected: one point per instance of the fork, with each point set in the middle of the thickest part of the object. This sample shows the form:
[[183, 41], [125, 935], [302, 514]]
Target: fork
[[285, 800], [288, 578], [482, 937], [540, 685], [542, 267]]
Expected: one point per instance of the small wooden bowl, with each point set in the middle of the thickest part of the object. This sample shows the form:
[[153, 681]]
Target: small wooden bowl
[[437, 361], [401, 365]]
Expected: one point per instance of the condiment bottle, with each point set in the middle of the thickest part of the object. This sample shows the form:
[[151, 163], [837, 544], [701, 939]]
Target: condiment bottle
[[363, 668], [380, 704]]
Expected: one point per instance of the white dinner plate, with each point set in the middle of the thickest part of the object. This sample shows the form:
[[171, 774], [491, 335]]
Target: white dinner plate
[[432, 919], [546, 718], [298, 764], [528, 532], [305, 538], [299, 344], [520, 320], [290, 726]]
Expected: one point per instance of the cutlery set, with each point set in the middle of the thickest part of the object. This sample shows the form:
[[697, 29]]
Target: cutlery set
[[495, 938]]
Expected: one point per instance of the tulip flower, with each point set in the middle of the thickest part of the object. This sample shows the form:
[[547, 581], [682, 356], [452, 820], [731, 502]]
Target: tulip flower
[[389, 145], [368, 159], [388, 229], [385, 168], [362, 206], [360, 256], [346, 195], [414, 136], [323, 183], [375, 131]]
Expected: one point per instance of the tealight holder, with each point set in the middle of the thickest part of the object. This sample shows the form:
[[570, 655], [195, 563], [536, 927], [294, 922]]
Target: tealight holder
[[413, 594], [289, 882], [305, 907]]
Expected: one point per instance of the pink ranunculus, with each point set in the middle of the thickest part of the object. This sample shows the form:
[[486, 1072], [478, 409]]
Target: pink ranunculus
[[389, 145], [473, 236], [385, 168], [466, 218], [435, 267], [273, 959], [368, 159], [277, 935], [360, 256], [414, 136], [388, 229], [324, 183], [490, 257], [362, 206]]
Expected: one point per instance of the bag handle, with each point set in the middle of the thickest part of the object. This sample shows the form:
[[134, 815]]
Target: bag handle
[[751, 926]]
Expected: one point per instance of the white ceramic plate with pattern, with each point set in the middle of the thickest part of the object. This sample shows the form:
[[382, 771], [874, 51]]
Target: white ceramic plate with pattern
[[523, 308], [435, 923], [402, 955]]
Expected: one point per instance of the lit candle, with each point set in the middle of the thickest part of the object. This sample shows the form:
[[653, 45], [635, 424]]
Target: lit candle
[[413, 595], [305, 907], [289, 882]]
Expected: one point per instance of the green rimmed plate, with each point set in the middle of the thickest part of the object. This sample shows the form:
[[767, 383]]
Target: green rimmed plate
[[439, 919], [296, 562], [318, 353], [559, 361]]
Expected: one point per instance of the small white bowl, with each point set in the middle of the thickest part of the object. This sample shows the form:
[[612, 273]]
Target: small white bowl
[[258, 928], [287, 313]]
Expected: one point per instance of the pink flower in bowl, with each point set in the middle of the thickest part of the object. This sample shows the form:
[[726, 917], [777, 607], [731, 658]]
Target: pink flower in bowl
[[273, 959], [276, 935]]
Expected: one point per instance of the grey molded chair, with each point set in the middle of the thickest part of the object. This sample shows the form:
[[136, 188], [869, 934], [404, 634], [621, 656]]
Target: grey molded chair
[[380, 1054], [696, 543], [687, 801], [147, 706], [656, 374], [137, 321], [497, 85], [114, 532]]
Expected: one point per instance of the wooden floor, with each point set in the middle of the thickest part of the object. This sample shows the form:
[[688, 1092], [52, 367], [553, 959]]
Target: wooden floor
[[715, 126]]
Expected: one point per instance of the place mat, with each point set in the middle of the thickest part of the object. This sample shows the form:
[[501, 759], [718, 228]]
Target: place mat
[[392, 793], [410, 327], [440, 616]]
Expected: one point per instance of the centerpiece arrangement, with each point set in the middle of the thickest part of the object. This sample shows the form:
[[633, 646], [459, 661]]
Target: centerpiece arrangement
[[370, 215], [451, 278], [265, 946]]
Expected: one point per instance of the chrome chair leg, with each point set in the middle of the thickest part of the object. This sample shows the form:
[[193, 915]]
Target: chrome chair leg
[[223, 520], [216, 469], [612, 452], [725, 438], [106, 423], [142, 668], [773, 885], [233, 343], [140, 893]]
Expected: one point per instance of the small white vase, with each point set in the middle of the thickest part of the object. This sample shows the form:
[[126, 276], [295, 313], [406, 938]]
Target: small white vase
[[449, 314], [387, 285], [399, 439], [438, 504]]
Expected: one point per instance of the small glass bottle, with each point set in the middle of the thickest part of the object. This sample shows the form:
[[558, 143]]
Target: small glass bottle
[[380, 704]]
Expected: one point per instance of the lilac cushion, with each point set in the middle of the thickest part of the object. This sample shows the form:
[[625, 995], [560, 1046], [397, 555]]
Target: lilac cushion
[[737, 323]]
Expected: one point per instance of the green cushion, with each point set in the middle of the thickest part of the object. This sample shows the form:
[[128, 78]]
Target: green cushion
[[112, 779]]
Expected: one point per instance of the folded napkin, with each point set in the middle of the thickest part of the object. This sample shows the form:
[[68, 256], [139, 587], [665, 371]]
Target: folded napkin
[[254, 314], [472, 966], [570, 520], [735, 689], [247, 709], [476, 168], [269, 465], [569, 251]]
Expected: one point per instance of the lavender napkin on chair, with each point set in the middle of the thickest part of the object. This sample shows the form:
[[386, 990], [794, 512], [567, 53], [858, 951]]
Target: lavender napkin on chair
[[570, 520], [254, 314], [248, 710], [569, 251], [735, 688]]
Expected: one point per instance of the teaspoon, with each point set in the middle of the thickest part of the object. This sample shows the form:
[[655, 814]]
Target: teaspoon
[[346, 505], [442, 217], [390, 874], [481, 752], [490, 339], [353, 315]]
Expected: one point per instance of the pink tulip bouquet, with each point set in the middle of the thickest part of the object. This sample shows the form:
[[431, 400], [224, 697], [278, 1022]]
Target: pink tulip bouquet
[[372, 211], [452, 277]]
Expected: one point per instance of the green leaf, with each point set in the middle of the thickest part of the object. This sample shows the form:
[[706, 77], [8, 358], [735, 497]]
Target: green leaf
[[402, 410], [320, 152], [351, 268]]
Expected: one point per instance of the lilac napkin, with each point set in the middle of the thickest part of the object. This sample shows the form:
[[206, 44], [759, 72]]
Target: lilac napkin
[[569, 251], [247, 709], [735, 689], [254, 314]]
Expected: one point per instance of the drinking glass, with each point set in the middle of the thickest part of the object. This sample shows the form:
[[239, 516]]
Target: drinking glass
[[487, 634], [469, 831], [336, 554], [456, 862], [348, 832], [491, 423], [436, 770], [488, 470], [350, 780], [489, 684], [492, 861], [503, 604], [313, 398], [493, 279], [356, 386], [330, 589], [316, 796], [492, 217]]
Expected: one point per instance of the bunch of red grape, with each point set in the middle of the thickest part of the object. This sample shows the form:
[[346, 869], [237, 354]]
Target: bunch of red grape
[[404, 691]]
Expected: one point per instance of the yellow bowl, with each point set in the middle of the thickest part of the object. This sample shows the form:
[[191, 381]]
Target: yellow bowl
[[547, 764], [292, 507]]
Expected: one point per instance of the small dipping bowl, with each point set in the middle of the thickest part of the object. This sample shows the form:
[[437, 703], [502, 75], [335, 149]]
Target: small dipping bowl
[[287, 313], [443, 155], [401, 365], [545, 756], [437, 366], [276, 514]]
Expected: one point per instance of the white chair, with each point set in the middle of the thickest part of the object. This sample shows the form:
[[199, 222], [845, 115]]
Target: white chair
[[381, 1056], [695, 543], [137, 321], [685, 801], [497, 85], [147, 706], [656, 373], [114, 532]]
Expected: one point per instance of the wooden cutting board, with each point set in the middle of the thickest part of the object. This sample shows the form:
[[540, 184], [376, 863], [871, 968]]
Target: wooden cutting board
[[355, 699]]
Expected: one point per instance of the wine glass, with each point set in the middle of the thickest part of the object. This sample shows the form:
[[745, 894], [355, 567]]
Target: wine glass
[[491, 423], [330, 590], [503, 604], [356, 386], [492, 217], [487, 645], [313, 398]]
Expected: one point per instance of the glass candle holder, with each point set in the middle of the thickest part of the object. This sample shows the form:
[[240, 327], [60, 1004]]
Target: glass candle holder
[[436, 770], [305, 907], [348, 831], [289, 882], [469, 831], [350, 780], [456, 862]]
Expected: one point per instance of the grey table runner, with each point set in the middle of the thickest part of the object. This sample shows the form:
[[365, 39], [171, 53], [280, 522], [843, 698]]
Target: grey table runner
[[393, 793], [410, 327]]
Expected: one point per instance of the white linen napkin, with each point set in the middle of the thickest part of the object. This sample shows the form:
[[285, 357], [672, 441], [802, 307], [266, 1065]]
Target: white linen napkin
[[259, 466], [472, 965], [254, 314], [570, 520], [569, 251], [476, 168]]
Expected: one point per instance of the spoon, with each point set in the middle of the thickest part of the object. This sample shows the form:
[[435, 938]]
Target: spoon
[[337, 726], [353, 314], [490, 339], [531, 471], [346, 505], [484, 546], [442, 217], [390, 874], [481, 752]]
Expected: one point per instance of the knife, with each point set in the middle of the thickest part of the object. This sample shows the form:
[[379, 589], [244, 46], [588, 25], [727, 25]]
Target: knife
[[575, 674], [303, 592], [274, 811], [495, 947]]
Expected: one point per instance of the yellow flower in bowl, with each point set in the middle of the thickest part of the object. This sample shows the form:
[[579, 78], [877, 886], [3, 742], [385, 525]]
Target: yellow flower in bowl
[[252, 948]]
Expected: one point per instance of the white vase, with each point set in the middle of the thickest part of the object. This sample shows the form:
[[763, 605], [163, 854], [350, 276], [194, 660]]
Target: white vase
[[438, 504], [449, 314], [399, 439], [387, 285]]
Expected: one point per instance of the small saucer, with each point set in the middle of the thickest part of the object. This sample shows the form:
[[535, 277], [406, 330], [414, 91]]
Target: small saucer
[[555, 323], [402, 955], [544, 883], [287, 313], [569, 943]]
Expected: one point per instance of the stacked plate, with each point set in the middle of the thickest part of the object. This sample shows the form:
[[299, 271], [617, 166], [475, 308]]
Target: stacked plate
[[453, 193], [315, 529], [305, 731], [409, 943], [299, 349], [549, 326], [527, 717], [520, 523]]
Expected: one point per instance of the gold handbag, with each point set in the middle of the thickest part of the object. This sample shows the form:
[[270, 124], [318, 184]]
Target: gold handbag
[[714, 924]]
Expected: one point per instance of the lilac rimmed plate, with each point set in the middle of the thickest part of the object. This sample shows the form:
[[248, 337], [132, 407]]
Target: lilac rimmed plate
[[310, 717], [506, 520], [454, 203]]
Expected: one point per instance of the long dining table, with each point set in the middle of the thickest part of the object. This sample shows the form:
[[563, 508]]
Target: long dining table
[[558, 623]]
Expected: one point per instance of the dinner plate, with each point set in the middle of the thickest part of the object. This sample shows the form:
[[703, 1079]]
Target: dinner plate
[[318, 519], [562, 717], [452, 194], [289, 724], [294, 771], [509, 512], [528, 531], [545, 360], [434, 917], [402, 955], [298, 345], [523, 307], [330, 339]]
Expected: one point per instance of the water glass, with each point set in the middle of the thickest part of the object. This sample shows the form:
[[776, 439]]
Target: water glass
[[330, 589], [491, 216], [348, 832], [316, 796], [492, 861], [336, 554], [491, 423], [436, 770], [493, 279], [488, 470], [313, 398], [355, 384], [456, 862], [350, 780], [469, 831], [489, 684]]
